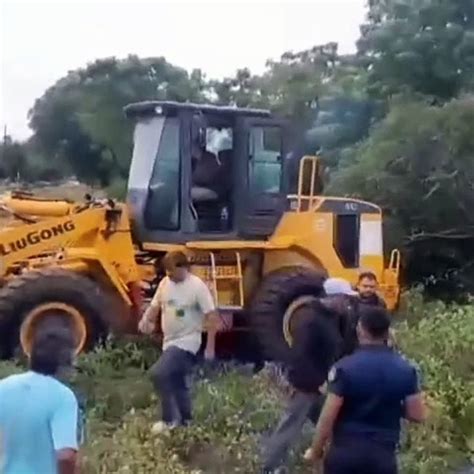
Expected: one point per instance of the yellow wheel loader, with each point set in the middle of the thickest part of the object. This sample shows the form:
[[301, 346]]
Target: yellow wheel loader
[[218, 183]]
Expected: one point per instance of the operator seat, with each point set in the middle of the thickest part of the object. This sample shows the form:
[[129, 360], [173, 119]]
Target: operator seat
[[224, 184], [204, 176], [210, 191]]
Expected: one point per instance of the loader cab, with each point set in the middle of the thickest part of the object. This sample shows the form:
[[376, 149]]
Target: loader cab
[[203, 172]]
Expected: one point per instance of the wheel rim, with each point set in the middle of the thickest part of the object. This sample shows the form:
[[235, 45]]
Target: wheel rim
[[40, 312], [288, 317]]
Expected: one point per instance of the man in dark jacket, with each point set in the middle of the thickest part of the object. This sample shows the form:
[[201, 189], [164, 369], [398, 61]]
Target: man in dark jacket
[[325, 336], [367, 286]]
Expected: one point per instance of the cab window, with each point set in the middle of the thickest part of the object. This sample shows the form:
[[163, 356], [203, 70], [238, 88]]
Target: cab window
[[346, 239], [163, 205], [265, 163], [212, 181]]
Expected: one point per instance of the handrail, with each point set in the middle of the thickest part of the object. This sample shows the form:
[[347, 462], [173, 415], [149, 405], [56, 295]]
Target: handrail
[[394, 263], [240, 278], [300, 196], [214, 278]]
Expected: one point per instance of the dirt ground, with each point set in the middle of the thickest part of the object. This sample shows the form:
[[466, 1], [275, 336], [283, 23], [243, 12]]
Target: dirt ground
[[70, 190]]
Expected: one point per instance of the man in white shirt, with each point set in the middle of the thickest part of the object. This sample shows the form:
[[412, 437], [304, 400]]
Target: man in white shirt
[[185, 304]]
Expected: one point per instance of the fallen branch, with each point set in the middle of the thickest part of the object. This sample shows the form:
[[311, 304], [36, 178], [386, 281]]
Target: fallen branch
[[451, 234]]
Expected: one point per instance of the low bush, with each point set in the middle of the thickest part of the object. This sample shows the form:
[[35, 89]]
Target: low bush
[[440, 339], [234, 409]]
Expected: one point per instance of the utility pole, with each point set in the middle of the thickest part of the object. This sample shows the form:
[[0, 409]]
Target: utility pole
[[4, 147]]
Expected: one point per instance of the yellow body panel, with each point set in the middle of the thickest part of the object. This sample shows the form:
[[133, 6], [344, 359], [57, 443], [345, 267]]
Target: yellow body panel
[[95, 239], [301, 238], [313, 236], [35, 206]]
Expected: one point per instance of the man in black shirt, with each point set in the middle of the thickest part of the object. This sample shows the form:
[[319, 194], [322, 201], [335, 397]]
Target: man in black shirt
[[367, 286], [326, 335]]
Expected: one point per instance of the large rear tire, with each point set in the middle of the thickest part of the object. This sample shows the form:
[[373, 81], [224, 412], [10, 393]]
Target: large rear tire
[[282, 292], [51, 296]]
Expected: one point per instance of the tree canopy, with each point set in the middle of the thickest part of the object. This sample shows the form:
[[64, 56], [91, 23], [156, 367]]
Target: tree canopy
[[418, 46], [79, 120]]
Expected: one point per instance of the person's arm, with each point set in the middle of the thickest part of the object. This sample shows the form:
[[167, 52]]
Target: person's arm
[[392, 339], [147, 324], [212, 329], [211, 319], [329, 413], [67, 461], [64, 424], [416, 410], [331, 408]]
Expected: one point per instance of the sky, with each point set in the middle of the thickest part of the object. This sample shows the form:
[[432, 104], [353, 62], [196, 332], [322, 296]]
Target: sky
[[40, 41]]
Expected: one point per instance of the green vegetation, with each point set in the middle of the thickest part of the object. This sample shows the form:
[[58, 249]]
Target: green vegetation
[[440, 338], [394, 125], [417, 164], [233, 409]]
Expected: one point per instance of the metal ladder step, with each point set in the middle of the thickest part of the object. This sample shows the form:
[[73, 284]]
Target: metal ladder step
[[227, 277], [230, 309], [237, 276]]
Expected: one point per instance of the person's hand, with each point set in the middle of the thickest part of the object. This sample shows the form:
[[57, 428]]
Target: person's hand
[[392, 340], [145, 326], [308, 455], [209, 354], [315, 456], [215, 322], [323, 389], [318, 467]]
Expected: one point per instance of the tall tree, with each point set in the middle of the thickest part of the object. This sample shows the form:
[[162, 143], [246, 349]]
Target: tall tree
[[13, 159], [80, 118], [419, 46], [417, 164]]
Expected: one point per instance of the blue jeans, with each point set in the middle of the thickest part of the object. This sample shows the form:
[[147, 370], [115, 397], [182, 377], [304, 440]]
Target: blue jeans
[[169, 376]]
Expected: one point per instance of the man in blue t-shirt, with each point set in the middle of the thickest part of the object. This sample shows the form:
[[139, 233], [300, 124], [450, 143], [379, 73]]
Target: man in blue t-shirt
[[39, 416], [369, 393]]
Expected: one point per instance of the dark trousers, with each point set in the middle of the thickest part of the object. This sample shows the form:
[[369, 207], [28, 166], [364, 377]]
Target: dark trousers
[[360, 456], [301, 407], [169, 376]]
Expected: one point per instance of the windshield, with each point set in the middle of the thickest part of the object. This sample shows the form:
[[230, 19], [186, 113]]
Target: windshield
[[146, 137]]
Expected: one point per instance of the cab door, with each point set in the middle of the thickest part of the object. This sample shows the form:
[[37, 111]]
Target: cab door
[[159, 172], [262, 151]]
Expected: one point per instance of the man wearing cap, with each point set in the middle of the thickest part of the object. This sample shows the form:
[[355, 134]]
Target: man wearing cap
[[185, 304], [327, 334]]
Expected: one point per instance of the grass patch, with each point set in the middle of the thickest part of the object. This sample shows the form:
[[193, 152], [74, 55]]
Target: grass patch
[[233, 409]]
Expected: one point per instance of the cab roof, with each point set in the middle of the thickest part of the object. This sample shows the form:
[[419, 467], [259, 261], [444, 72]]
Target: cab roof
[[150, 107]]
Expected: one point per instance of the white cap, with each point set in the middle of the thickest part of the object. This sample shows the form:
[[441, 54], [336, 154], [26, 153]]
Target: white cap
[[338, 286]]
